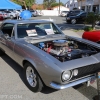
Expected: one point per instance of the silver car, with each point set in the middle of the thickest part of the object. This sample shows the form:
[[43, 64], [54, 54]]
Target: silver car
[[49, 57]]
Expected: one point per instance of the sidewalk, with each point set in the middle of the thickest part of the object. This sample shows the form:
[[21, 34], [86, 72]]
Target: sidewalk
[[72, 33]]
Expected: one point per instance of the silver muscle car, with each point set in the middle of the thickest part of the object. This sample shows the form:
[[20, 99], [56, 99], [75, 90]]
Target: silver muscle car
[[49, 57]]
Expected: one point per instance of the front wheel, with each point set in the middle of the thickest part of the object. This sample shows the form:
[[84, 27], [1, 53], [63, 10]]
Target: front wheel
[[32, 79], [73, 21]]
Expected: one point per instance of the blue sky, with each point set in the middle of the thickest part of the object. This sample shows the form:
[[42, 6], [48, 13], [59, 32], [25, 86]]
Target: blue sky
[[41, 1]]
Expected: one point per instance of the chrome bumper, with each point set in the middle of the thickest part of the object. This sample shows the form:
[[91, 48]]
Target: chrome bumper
[[59, 86]]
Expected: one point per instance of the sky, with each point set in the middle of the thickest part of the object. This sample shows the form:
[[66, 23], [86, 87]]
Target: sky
[[41, 1]]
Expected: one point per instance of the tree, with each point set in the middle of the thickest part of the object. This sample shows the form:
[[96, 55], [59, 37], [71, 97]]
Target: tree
[[92, 18], [48, 3], [56, 4], [28, 3]]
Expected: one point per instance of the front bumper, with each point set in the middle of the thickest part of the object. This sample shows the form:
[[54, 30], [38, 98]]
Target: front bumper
[[59, 86]]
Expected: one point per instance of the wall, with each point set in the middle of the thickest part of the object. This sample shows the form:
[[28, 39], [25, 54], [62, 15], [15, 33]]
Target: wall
[[50, 12], [61, 8]]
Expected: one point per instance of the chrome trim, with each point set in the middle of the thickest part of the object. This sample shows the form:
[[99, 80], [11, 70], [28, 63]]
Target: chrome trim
[[58, 86]]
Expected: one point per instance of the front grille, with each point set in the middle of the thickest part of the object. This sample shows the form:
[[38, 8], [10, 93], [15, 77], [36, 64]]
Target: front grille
[[87, 70]]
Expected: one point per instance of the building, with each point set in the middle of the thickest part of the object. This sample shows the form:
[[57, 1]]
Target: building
[[72, 4], [89, 5], [61, 8]]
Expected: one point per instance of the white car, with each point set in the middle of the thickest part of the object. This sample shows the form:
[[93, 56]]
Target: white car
[[11, 14], [64, 13], [39, 13]]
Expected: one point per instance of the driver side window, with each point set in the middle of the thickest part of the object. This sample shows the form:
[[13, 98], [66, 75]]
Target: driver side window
[[7, 28]]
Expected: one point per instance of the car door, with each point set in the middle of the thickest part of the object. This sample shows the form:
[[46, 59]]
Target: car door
[[82, 16], [7, 39]]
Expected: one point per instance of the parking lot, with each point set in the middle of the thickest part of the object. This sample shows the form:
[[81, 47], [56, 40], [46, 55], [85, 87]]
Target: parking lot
[[12, 86]]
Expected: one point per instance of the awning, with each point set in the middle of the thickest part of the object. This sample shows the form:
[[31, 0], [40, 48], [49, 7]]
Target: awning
[[7, 4]]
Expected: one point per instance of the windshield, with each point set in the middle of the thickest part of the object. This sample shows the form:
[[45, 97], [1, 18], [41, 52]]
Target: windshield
[[74, 13], [36, 29]]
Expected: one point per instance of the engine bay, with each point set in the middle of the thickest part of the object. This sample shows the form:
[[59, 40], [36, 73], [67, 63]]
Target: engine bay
[[65, 50]]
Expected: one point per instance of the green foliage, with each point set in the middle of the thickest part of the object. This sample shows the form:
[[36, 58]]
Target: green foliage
[[48, 3], [88, 28], [56, 4], [92, 18], [29, 3]]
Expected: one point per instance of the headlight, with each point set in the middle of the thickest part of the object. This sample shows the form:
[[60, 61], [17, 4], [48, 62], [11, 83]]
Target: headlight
[[66, 75]]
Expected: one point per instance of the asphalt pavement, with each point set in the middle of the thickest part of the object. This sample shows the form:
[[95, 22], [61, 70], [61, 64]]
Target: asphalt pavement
[[12, 86]]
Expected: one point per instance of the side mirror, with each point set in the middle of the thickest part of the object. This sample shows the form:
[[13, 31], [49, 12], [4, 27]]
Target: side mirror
[[6, 36]]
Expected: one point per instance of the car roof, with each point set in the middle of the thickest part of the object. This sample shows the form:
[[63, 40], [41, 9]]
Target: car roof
[[77, 10], [27, 21]]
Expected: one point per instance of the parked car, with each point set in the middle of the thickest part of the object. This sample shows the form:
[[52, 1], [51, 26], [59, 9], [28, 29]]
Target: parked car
[[39, 13], [34, 13], [47, 56], [92, 36], [3, 14], [74, 12], [76, 18], [1, 17], [64, 13], [11, 14]]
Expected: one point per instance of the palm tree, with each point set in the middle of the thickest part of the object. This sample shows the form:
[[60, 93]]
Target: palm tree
[[92, 18]]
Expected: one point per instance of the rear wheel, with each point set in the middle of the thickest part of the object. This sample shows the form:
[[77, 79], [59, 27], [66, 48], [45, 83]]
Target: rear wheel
[[32, 79], [73, 21]]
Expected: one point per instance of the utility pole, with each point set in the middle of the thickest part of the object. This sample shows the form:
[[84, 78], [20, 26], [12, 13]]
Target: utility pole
[[81, 4], [59, 6], [73, 4]]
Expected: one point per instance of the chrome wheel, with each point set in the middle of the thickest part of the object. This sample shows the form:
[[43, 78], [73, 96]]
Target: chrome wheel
[[73, 21], [31, 76]]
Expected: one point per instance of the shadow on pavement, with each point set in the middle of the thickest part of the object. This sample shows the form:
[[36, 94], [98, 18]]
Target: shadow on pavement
[[89, 92], [13, 65], [19, 70]]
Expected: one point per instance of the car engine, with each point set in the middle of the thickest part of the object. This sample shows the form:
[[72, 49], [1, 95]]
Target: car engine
[[65, 50]]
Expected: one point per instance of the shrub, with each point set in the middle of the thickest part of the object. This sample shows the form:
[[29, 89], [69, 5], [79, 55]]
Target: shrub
[[92, 18], [88, 28]]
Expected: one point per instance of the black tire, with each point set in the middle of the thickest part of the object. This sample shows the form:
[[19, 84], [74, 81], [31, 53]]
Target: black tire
[[1, 53], [73, 21], [37, 81]]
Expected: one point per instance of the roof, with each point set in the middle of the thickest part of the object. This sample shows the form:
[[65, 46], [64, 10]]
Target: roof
[[28, 21], [7, 4]]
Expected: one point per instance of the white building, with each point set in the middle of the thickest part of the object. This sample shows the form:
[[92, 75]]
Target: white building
[[62, 8], [72, 4], [89, 5]]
